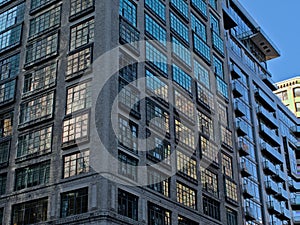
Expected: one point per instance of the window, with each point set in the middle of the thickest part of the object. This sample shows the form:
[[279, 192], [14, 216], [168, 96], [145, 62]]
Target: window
[[201, 48], [223, 114], [35, 4], [227, 165], [231, 217], [211, 208], [6, 125], [74, 202], [157, 116], [157, 58], [76, 164], [186, 195], [205, 97], [9, 67], [296, 92], [205, 125], [3, 178], [157, 86], [1, 209], [127, 204], [184, 221], [297, 105], [157, 7], [128, 34], [179, 27], [78, 97], [200, 6], [40, 79], [182, 78], [214, 23], [186, 165], [80, 6], [128, 134], [155, 30], [7, 91], [158, 149], [32, 175], [76, 129], [37, 109], [158, 182], [78, 62], [4, 152], [82, 34], [128, 11], [184, 135], [198, 27], [218, 67], [209, 150], [222, 87], [182, 52], [127, 166], [226, 137], [182, 7], [158, 215], [30, 212], [42, 49], [184, 105], [283, 95], [128, 96], [201, 74], [128, 67], [231, 190], [3, 2], [44, 22], [36, 142], [213, 3], [209, 181]]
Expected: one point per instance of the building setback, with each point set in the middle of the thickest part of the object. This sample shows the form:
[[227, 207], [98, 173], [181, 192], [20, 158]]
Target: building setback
[[151, 112]]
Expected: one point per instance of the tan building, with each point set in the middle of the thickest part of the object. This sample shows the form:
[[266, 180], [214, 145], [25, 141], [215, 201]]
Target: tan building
[[289, 93]]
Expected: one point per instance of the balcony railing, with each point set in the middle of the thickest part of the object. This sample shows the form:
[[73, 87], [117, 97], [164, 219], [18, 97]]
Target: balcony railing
[[265, 99], [217, 42], [269, 134], [237, 89], [269, 167], [245, 170], [250, 213], [129, 34], [243, 148], [248, 191], [271, 152], [274, 206], [241, 127], [239, 108], [267, 116], [271, 186]]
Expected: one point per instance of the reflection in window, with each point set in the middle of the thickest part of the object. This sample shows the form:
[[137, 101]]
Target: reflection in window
[[127, 204], [76, 164], [74, 202], [156, 85], [158, 182], [128, 133], [186, 196], [184, 134], [186, 165], [158, 215], [82, 34]]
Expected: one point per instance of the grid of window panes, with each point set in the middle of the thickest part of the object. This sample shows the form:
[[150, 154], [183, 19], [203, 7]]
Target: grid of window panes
[[198, 27], [231, 190], [76, 164], [201, 48], [185, 221], [158, 149], [209, 150], [186, 195], [155, 30], [36, 142], [201, 74], [35, 4], [157, 86], [205, 97], [157, 116], [227, 165], [182, 7], [179, 27], [32, 175], [211, 207], [231, 216], [200, 6], [184, 134], [127, 166], [186, 165], [158, 215], [226, 136], [222, 87], [213, 3], [158, 182], [82, 34], [209, 181], [205, 125], [44, 22], [182, 78], [4, 152], [127, 67], [128, 96], [182, 52], [6, 125], [9, 67], [7, 91], [79, 6], [184, 105], [157, 7], [156, 57], [3, 178], [127, 204], [128, 134], [128, 11]]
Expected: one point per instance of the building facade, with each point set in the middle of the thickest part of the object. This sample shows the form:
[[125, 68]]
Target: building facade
[[288, 92], [151, 112]]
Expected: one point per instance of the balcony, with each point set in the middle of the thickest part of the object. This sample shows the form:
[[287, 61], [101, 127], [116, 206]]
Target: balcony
[[280, 175], [269, 168], [248, 192], [271, 152], [274, 207], [285, 213], [269, 134], [250, 213], [129, 34], [243, 148], [295, 130], [237, 89], [295, 201], [239, 108], [236, 72], [267, 117], [282, 194], [267, 79], [245, 171], [294, 186], [265, 100], [296, 219], [271, 186], [241, 128], [217, 42]]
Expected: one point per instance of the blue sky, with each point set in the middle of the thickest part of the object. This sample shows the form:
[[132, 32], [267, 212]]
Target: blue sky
[[280, 21]]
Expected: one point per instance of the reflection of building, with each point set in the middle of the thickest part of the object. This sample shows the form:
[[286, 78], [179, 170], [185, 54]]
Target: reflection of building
[[289, 93]]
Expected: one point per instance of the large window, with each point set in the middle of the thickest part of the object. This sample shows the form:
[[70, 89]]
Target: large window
[[7, 91], [155, 30], [157, 7], [227, 165], [158, 215], [201, 74], [156, 58], [44, 22], [205, 125], [198, 27], [297, 106], [226, 136], [37, 109], [211, 207], [214, 23], [184, 134], [296, 92], [158, 149], [157, 86], [179, 27], [128, 11], [128, 67], [186, 195], [158, 182], [127, 204], [128, 134], [35, 4], [4, 152], [32, 175], [181, 51], [76, 129], [157, 116], [205, 97], [79, 6], [127, 166], [200, 6], [3, 178], [74, 202], [186, 165], [201, 48], [209, 181], [76, 164], [128, 96], [231, 190], [222, 87], [40, 79], [218, 67], [82, 34], [231, 217], [9, 67], [182, 78], [208, 150], [182, 7], [35, 143], [30, 212], [6, 125], [184, 105], [78, 97]]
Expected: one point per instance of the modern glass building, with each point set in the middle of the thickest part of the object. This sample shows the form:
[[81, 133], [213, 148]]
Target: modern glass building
[[156, 112]]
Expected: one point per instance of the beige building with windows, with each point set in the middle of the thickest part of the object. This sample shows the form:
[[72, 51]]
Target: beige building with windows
[[289, 93]]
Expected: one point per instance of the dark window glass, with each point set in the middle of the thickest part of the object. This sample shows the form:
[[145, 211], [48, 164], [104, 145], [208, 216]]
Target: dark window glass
[[74, 202], [127, 204]]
